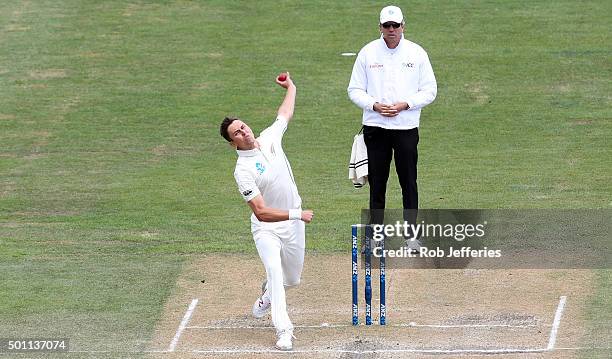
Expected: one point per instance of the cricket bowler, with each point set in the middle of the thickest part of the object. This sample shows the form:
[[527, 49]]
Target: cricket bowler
[[265, 181]]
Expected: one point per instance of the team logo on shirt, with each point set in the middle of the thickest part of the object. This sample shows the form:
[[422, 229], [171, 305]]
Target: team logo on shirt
[[260, 167], [408, 64], [247, 192]]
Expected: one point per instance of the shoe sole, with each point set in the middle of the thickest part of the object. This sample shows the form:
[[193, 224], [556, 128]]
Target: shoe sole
[[260, 316], [263, 290]]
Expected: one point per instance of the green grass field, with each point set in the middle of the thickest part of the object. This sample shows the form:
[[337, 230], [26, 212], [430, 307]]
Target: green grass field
[[113, 172]]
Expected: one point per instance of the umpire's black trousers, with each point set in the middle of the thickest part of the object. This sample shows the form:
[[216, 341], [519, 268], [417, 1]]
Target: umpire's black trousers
[[383, 145]]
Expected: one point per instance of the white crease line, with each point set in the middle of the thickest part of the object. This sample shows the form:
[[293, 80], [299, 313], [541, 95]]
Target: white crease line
[[468, 325], [242, 351], [556, 323], [183, 325], [264, 327], [321, 326], [378, 351]]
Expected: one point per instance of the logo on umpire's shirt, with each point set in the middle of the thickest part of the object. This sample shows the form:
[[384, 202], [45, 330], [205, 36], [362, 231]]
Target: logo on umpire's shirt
[[247, 192]]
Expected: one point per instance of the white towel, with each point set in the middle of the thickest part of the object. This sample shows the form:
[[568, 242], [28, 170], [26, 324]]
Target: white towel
[[358, 165]]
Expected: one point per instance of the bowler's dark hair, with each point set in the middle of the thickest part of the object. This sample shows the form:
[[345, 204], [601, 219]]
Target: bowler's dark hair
[[224, 125]]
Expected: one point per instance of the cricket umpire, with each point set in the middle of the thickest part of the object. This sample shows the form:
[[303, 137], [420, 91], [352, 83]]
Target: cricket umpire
[[392, 80]]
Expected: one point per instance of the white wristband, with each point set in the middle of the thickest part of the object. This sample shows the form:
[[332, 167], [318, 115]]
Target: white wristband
[[295, 214]]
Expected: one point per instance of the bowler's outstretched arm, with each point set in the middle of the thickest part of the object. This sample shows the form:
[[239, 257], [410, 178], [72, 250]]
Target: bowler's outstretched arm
[[286, 108]]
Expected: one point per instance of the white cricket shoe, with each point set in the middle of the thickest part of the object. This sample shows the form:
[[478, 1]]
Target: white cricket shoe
[[262, 305], [285, 339]]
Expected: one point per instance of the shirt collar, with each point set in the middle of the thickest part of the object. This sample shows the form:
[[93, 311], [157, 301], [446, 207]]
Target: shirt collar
[[384, 44], [248, 153]]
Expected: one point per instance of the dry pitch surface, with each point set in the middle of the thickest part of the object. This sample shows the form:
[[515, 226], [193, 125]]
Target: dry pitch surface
[[431, 313]]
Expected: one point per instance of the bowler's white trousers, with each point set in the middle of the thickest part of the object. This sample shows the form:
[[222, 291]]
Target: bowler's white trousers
[[281, 249]]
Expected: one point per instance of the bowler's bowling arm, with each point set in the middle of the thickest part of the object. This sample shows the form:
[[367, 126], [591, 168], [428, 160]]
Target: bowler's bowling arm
[[286, 108]]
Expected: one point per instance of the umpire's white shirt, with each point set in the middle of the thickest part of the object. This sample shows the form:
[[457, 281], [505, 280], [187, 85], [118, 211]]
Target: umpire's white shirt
[[266, 171], [389, 76]]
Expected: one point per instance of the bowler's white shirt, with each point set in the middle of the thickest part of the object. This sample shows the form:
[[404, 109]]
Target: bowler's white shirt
[[389, 76], [266, 171]]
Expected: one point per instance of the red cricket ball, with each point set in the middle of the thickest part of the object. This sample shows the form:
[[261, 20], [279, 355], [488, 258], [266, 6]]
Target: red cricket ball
[[282, 77]]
